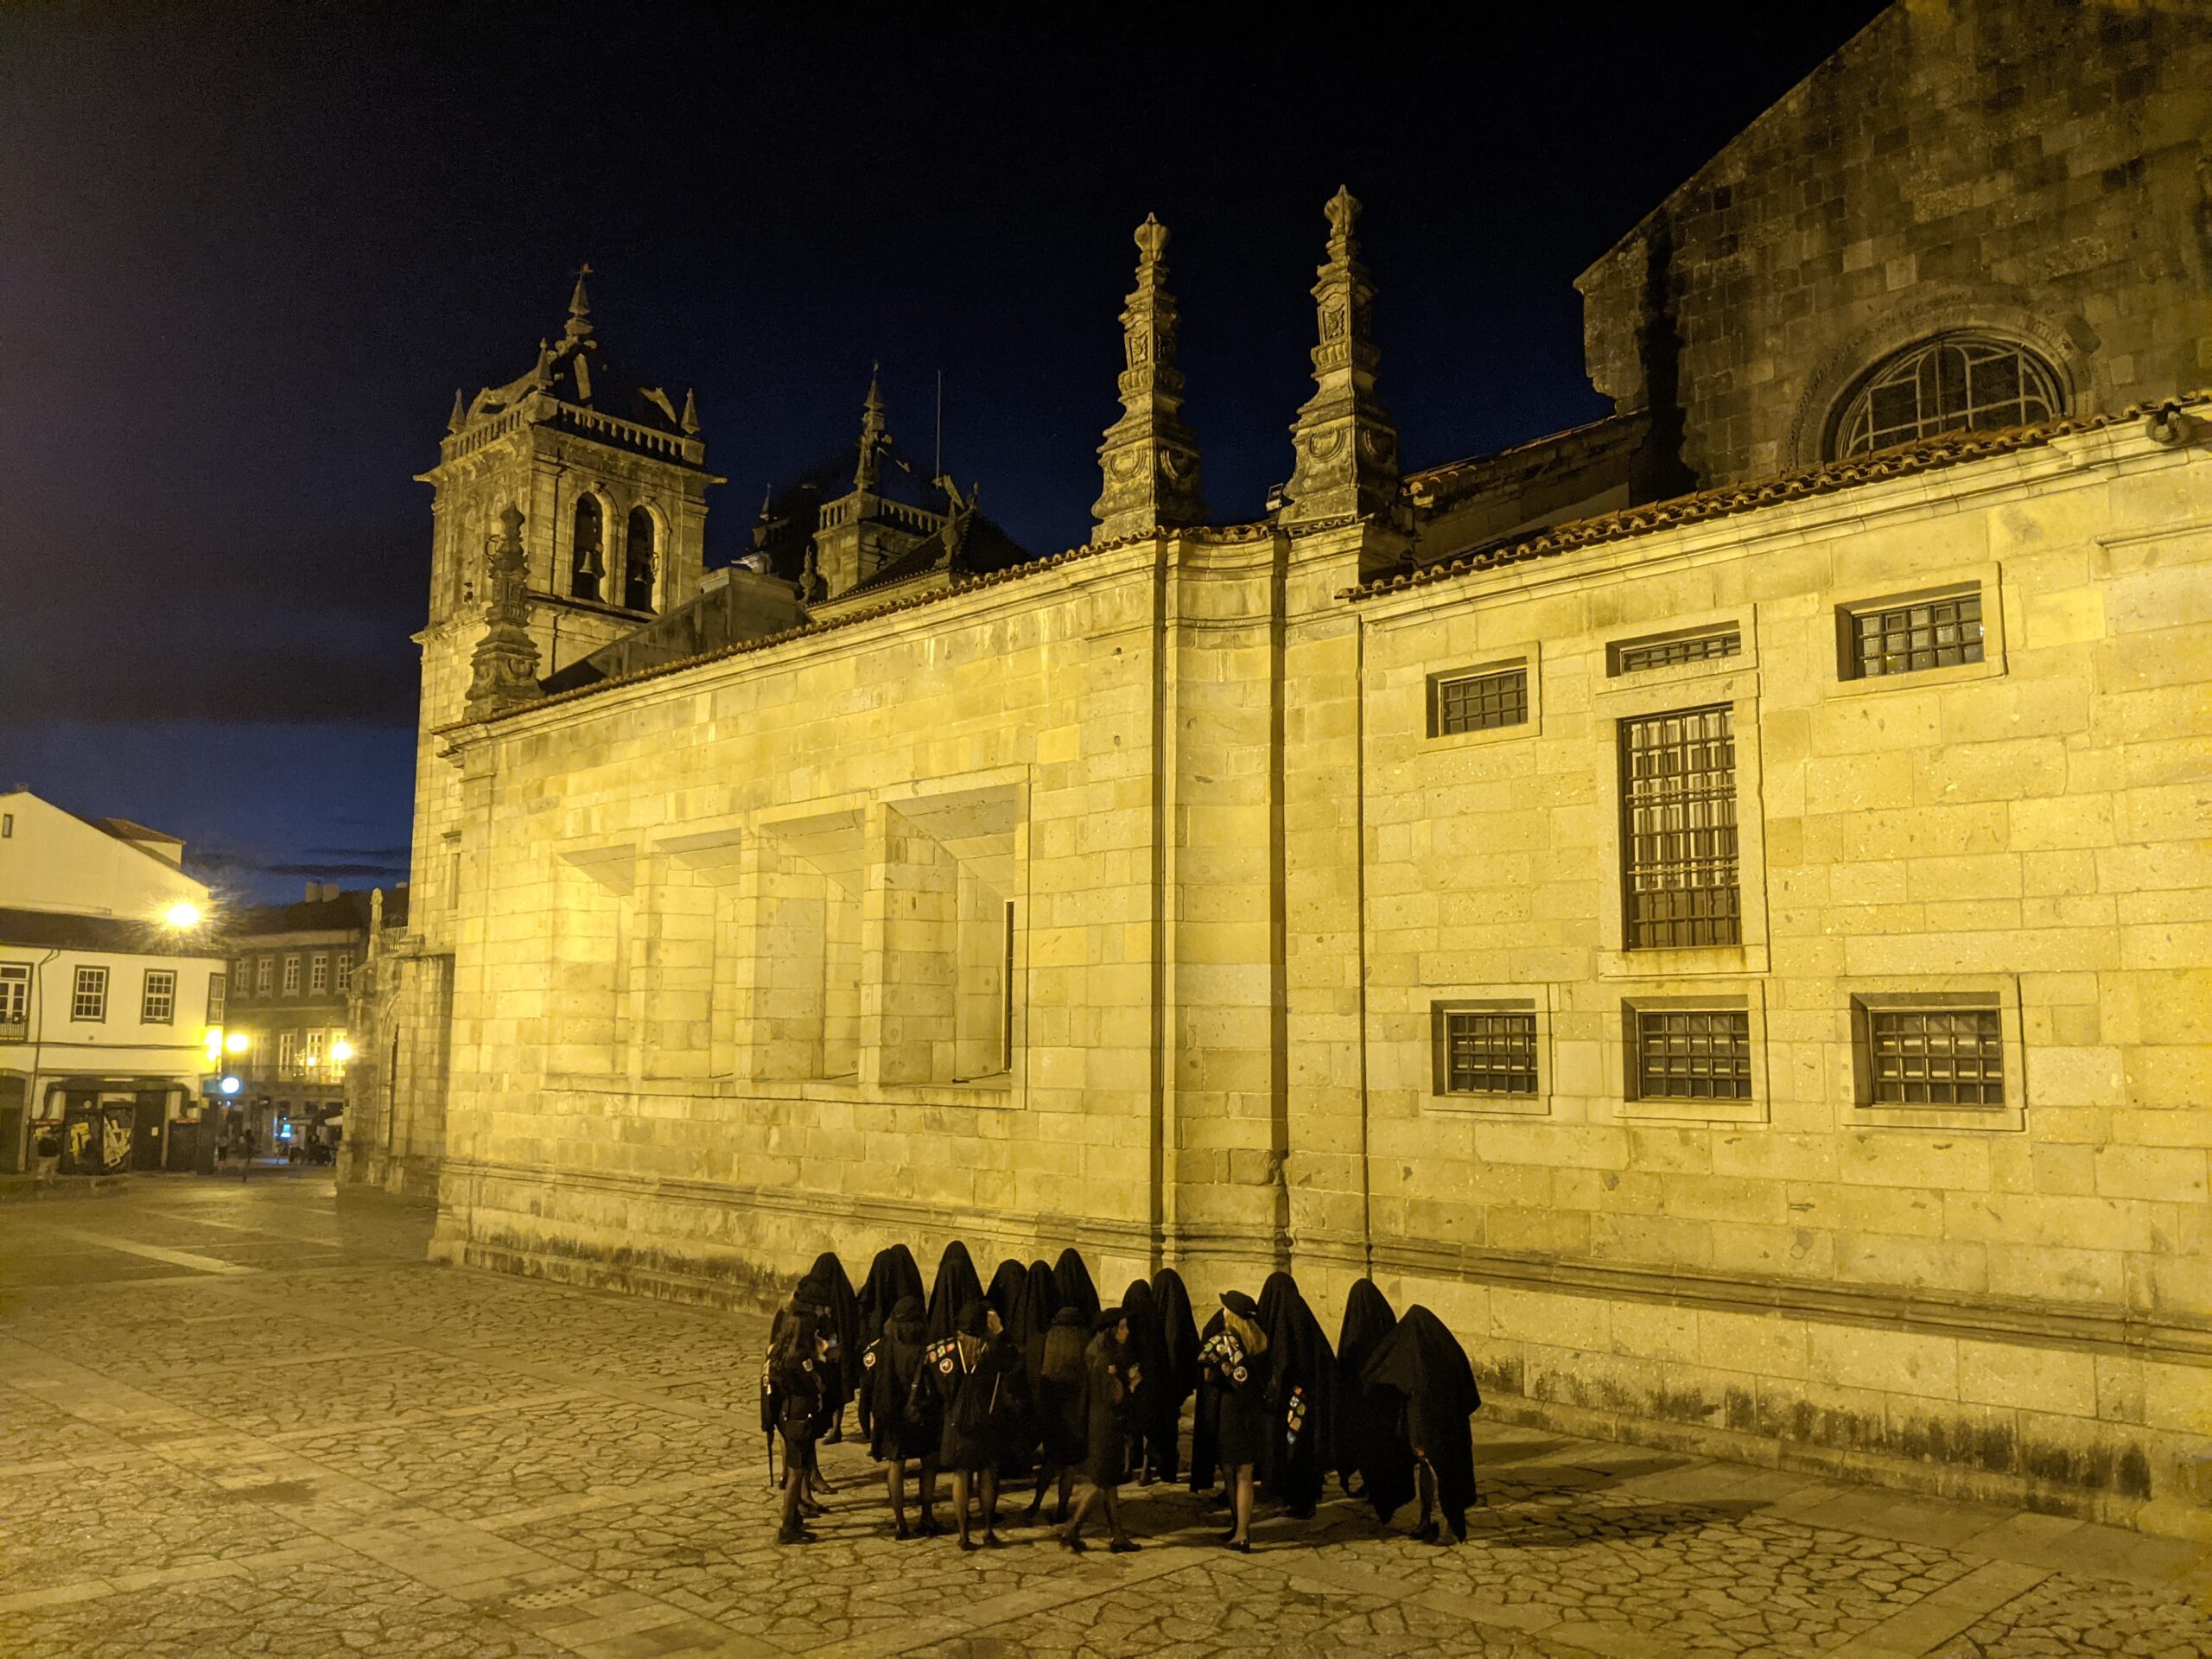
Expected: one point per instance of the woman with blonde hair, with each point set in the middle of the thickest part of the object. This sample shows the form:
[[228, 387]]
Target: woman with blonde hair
[[1235, 1365]]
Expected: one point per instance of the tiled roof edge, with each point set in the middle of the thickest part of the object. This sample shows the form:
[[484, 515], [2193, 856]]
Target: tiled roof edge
[[1930, 455]]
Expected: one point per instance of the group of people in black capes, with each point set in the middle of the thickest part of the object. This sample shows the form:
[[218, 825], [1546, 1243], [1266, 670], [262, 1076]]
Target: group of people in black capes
[[1033, 1378]]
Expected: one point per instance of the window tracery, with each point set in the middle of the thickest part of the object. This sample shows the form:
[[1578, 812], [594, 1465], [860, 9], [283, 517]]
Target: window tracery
[[1953, 382]]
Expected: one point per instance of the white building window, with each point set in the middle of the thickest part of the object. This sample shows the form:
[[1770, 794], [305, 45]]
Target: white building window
[[88, 999], [319, 974], [219, 996], [291, 975], [343, 964], [157, 1004], [262, 970], [15, 1001], [288, 1051]]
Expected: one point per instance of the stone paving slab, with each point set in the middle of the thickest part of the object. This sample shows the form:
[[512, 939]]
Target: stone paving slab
[[295, 1436]]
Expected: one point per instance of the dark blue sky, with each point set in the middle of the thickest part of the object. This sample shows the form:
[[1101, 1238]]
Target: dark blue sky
[[247, 254]]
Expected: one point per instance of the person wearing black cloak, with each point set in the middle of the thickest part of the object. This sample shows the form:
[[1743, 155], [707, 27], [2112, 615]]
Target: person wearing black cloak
[[1239, 1368], [1177, 1375], [1368, 1443], [1143, 1344], [906, 1420], [1060, 1410], [892, 1277], [1072, 1280], [1421, 1362], [798, 1361], [954, 1287], [1303, 1376], [847, 1339], [1205, 1422], [1110, 1381], [1008, 1284], [977, 1376], [809, 1299]]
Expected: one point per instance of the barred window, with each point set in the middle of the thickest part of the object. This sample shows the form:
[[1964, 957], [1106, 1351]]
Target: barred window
[[1952, 382], [1692, 1053], [157, 1003], [1485, 1051], [88, 998], [1633, 656], [1905, 637], [1678, 830], [1930, 1055], [1478, 703], [291, 975]]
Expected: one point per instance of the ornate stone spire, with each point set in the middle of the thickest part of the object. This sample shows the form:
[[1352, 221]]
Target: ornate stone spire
[[1347, 445], [579, 325], [1150, 458], [459, 418], [503, 670], [690, 421], [874, 435]]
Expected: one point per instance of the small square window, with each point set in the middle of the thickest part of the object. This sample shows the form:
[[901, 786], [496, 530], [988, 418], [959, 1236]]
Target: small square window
[[88, 997], [1671, 651], [1909, 637], [157, 1005], [1929, 1053], [1478, 703], [1486, 1051], [1691, 1053]]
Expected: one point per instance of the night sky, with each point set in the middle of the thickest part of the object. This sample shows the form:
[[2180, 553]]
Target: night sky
[[247, 254]]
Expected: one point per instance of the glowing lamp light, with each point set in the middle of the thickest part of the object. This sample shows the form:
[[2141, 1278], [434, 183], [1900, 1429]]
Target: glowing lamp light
[[181, 915], [341, 1052], [228, 1085], [237, 1043]]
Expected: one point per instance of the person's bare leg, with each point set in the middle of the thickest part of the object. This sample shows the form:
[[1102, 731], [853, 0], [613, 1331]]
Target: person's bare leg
[[991, 1507], [894, 1482], [1073, 1536], [1243, 1532]]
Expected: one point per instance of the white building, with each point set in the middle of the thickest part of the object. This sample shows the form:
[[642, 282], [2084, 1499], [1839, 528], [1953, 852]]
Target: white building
[[110, 982]]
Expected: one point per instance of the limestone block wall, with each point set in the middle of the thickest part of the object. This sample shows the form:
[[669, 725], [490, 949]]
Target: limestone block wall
[[2007, 1299]]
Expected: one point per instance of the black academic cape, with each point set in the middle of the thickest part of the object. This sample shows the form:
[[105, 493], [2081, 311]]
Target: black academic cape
[[842, 1375], [1178, 1354], [1008, 1283], [1072, 1280], [1422, 1363], [1371, 1439], [1302, 1380], [954, 1287], [1205, 1415], [1144, 1358], [892, 1277]]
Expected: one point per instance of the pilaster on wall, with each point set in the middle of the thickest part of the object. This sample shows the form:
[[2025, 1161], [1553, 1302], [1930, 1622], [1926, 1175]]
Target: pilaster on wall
[[910, 924]]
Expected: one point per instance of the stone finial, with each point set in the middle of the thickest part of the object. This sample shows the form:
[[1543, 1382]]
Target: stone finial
[[459, 418], [689, 421], [503, 671], [1346, 443], [579, 324], [1150, 458], [875, 436]]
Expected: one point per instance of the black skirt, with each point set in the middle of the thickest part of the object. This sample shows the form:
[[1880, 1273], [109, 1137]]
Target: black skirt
[[1242, 1436]]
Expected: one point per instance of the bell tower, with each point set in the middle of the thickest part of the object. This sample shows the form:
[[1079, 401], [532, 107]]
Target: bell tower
[[609, 475]]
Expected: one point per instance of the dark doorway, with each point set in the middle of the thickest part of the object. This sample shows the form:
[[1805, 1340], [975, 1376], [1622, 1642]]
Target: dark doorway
[[146, 1134], [12, 1095]]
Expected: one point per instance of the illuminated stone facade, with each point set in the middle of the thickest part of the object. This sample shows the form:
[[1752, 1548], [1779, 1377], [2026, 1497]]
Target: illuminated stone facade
[[1742, 958]]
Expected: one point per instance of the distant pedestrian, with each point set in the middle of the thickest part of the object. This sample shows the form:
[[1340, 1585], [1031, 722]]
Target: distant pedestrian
[[1060, 1410], [1235, 1361], [977, 1376], [48, 1150], [798, 1378], [906, 1418]]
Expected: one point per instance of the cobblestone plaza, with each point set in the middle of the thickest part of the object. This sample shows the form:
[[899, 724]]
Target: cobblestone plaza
[[247, 1418]]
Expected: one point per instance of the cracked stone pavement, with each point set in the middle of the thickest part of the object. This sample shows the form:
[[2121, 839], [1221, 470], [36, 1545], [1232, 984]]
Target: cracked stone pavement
[[248, 1418]]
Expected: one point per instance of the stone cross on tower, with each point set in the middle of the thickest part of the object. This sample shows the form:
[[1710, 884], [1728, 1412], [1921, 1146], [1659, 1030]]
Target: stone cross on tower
[[503, 671], [1346, 443], [1150, 458]]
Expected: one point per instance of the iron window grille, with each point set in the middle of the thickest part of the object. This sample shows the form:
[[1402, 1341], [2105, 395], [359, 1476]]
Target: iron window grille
[[1950, 383], [1678, 830], [157, 1001], [1907, 636], [1692, 1053], [1487, 1051], [88, 996], [1479, 703], [1634, 656], [1931, 1055]]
